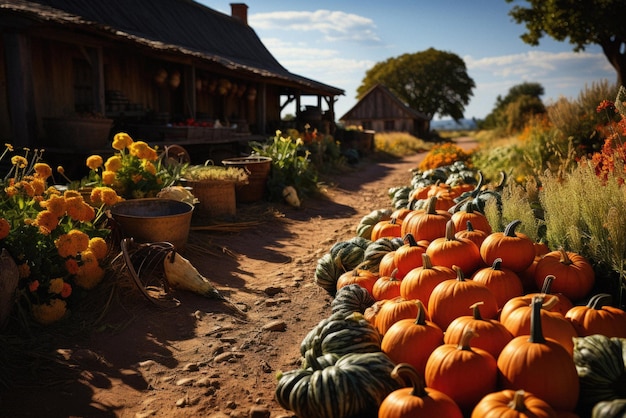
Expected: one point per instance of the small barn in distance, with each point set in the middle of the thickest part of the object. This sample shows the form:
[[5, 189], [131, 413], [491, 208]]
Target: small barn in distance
[[381, 111]]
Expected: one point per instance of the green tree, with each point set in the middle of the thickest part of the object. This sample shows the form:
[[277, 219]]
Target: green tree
[[432, 82], [582, 22], [514, 110]]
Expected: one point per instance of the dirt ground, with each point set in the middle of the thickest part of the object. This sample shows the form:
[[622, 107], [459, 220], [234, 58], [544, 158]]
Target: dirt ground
[[198, 359]]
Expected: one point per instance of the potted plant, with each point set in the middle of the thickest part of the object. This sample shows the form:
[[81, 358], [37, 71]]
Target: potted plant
[[214, 187]]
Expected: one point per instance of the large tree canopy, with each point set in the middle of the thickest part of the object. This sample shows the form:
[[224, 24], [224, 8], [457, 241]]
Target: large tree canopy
[[582, 22], [432, 82]]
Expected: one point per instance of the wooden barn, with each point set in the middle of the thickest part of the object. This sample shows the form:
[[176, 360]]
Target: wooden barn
[[73, 72], [381, 111]]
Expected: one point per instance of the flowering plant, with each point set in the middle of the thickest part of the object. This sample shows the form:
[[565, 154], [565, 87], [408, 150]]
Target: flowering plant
[[56, 239], [135, 170]]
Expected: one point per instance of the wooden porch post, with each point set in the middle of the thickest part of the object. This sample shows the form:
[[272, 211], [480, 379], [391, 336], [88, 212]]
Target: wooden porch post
[[20, 89]]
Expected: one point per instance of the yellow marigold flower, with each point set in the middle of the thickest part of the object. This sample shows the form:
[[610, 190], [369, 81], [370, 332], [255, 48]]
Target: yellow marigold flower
[[121, 141], [43, 170], [28, 188], [11, 191], [88, 213], [24, 270], [71, 265], [98, 246], [9, 147], [108, 177], [141, 149], [72, 243], [38, 185], [54, 204], [74, 207], [94, 162], [56, 285], [89, 271], [53, 191], [19, 161], [47, 220], [5, 228], [148, 167], [60, 169], [113, 163], [49, 313], [104, 195]]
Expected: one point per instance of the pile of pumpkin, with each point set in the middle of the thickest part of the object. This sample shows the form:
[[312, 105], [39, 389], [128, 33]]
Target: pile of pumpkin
[[436, 315]]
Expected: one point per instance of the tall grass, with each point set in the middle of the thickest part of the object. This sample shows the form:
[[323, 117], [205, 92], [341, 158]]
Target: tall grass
[[400, 144]]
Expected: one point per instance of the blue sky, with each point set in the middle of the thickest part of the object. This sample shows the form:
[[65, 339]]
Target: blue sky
[[336, 42]]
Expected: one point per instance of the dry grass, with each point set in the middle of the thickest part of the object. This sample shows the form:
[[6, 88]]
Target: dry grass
[[400, 143]]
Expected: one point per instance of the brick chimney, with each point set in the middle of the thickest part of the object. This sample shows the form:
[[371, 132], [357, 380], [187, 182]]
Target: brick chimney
[[239, 11]]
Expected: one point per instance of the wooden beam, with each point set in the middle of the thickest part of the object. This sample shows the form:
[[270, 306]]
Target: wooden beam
[[20, 89]]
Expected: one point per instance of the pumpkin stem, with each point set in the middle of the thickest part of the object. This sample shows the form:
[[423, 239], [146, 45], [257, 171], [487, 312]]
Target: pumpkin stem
[[476, 310], [450, 231], [565, 257], [497, 264], [403, 373], [431, 207], [464, 343], [509, 231], [536, 332], [547, 284], [410, 239], [459, 273], [517, 403], [470, 227], [500, 186], [421, 313], [426, 263], [600, 300]]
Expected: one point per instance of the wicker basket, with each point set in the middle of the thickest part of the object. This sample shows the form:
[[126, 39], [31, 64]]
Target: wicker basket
[[216, 198]]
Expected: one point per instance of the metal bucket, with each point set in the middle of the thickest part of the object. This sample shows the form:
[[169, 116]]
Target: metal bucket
[[154, 220]]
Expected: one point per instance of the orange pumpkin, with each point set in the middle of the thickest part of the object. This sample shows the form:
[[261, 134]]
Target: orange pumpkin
[[515, 249], [360, 276], [394, 310], [427, 224], [557, 305], [554, 326], [540, 365], [574, 274], [409, 255], [420, 282], [512, 404], [492, 336], [449, 251], [450, 367], [504, 283], [598, 317], [462, 217], [450, 299], [418, 400], [402, 338], [475, 235], [387, 264], [386, 287], [386, 229]]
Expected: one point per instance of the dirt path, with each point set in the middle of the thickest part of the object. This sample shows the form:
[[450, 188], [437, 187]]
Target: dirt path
[[198, 360]]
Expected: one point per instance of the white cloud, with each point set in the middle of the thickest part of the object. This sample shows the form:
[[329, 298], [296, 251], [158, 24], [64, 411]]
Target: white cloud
[[333, 25]]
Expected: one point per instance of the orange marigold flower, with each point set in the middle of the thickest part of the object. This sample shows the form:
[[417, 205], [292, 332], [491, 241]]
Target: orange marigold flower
[[28, 188], [5, 228], [94, 162], [74, 207], [49, 313], [606, 105], [71, 265], [110, 196], [121, 141], [56, 285], [89, 272], [54, 204], [71, 193], [87, 213], [108, 177], [72, 243], [98, 247], [38, 185], [24, 270], [136, 178], [33, 286], [141, 149], [11, 191], [47, 220], [66, 291], [148, 167], [43, 170], [113, 163], [19, 161]]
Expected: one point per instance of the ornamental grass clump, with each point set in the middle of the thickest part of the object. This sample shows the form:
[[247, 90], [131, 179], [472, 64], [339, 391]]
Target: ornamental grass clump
[[56, 239]]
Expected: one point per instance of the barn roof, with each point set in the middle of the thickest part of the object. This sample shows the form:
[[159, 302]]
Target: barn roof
[[392, 98], [179, 26]]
